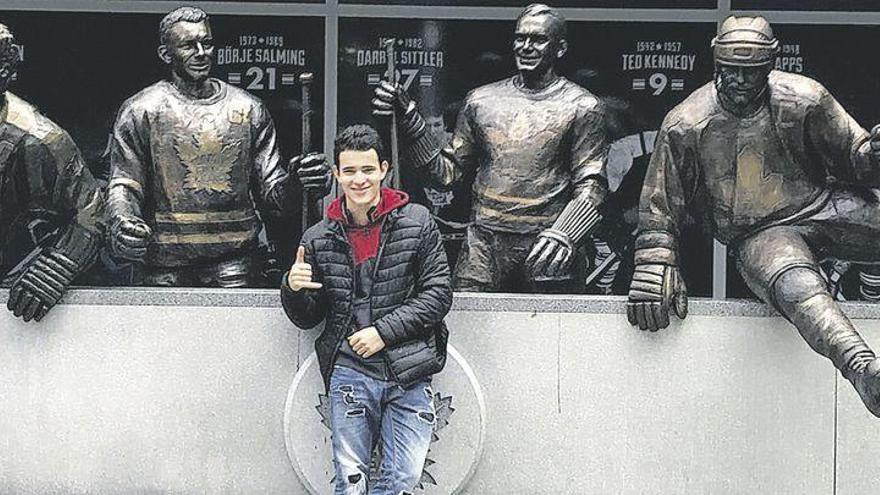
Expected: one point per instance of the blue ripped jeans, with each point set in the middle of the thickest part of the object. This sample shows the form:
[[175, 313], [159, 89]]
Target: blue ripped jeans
[[365, 412]]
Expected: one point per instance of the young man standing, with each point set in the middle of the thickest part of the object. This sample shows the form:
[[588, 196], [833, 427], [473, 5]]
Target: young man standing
[[376, 270]]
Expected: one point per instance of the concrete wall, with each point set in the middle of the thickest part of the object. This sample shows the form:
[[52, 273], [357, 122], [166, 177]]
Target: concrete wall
[[145, 391]]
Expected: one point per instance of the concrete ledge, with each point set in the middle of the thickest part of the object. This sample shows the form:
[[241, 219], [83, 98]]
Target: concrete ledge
[[463, 301]]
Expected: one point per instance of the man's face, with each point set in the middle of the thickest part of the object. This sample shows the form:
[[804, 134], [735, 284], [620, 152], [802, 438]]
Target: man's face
[[534, 45], [741, 85], [360, 175], [189, 50]]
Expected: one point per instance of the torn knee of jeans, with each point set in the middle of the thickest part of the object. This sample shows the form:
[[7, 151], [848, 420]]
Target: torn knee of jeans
[[348, 397], [427, 417], [429, 393], [404, 492], [355, 478], [355, 412]]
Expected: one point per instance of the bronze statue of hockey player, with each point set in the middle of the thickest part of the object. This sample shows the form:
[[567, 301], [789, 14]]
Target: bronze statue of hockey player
[[42, 176], [186, 155], [778, 166], [537, 143]]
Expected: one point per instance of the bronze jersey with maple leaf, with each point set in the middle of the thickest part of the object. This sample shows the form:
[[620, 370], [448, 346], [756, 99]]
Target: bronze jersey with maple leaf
[[751, 172], [532, 150], [194, 163], [41, 173]]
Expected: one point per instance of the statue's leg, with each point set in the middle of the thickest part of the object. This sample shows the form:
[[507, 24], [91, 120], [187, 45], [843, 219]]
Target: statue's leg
[[475, 269], [848, 228], [509, 253], [158, 276], [778, 265]]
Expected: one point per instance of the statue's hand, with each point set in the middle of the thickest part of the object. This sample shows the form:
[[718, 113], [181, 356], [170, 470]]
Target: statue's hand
[[389, 97], [129, 237], [551, 256], [313, 172], [41, 285], [654, 289]]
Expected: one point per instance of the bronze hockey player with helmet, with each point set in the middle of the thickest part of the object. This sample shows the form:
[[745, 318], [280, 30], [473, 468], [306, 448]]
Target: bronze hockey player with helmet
[[42, 176], [777, 164], [538, 144]]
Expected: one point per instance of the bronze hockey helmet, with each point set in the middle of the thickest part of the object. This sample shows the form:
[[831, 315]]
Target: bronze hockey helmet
[[745, 41]]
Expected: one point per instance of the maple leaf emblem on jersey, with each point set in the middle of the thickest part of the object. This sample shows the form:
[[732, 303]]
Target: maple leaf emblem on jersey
[[208, 161]]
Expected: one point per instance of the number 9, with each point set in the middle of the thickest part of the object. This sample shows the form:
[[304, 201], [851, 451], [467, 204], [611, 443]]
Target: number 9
[[658, 82]]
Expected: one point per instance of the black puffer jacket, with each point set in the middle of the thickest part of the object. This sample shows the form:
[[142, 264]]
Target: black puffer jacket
[[411, 293]]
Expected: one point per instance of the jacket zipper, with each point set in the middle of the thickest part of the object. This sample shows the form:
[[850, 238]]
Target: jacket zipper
[[386, 226], [379, 254], [345, 327]]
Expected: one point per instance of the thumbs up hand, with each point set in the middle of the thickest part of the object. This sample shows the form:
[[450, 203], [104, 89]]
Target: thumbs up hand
[[300, 274]]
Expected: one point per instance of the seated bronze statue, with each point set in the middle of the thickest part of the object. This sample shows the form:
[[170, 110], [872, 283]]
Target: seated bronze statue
[[787, 178]]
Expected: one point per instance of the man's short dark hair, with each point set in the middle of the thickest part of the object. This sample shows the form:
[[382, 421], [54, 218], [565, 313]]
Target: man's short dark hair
[[539, 9], [358, 137], [180, 14]]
